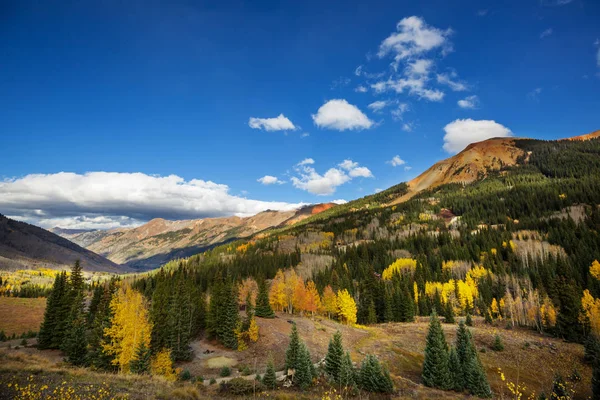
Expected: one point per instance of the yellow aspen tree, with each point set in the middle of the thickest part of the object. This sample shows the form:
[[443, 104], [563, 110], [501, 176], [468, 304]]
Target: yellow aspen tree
[[595, 269], [130, 326], [346, 307], [291, 279], [312, 301], [162, 364], [329, 301], [277, 297], [299, 296], [591, 310], [495, 309], [253, 330]]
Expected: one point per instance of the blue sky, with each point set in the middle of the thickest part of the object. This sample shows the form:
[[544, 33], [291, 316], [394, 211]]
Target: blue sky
[[192, 91]]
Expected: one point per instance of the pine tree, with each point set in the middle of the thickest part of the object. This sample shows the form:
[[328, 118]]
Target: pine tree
[[47, 329], [334, 357], [293, 350], [498, 345], [159, 313], [477, 382], [75, 341], [456, 371], [347, 372], [463, 349], [263, 308], [435, 366], [374, 378], [94, 303], [179, 321], [596, 379], [140, 364], [231, 318], [469, 320], [270, 379], [592, 348], [304, 369], [99, 359]]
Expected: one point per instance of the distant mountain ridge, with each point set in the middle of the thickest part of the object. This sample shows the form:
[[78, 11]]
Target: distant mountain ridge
[[24, 246], [158, 241]]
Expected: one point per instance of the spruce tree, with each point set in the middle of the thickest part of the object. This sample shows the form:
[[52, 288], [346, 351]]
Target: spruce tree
[[47, 329], [477, 382], [141, 361], [270, 379], [469, 320], [179, 321], [456, 371], [231, 317], [347, 372], [99, 359], [96, 298], [75, 341], [592, 348], [159, 313], [463, 349], [374, 378], [596, 379], [449, 313], [293, 350], [334, 357], [435, 366], [304, 370], [263, 307]]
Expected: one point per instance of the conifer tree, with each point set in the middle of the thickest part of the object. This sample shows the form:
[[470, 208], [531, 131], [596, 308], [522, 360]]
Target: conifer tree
[[99, 359], [347, 372], [75, 341], [456, 371], [374, 378], [334, 357], [179, 321], [47, 329], [270, 379], [159, 313], [94, 303], [231, 318], [304, 369], [463, 349], [596, 379], [435, 366], [477, 382], [293, 350], [263, 307], [449, 313], [140, 364], [469, 320]]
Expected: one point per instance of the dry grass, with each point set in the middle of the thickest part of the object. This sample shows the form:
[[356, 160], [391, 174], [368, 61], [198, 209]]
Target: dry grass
[[19, 315]]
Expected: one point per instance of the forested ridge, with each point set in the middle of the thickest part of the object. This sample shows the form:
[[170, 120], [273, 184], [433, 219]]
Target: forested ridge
[[520, 245]]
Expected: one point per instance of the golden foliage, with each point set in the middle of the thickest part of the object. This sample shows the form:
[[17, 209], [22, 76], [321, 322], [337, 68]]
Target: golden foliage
[[277, 296], [248, 285], [346, 307], [130, 326], [591, 310], [253, 330], [162, 365], [399, 266], [329, 301], [312, 302], [595, 269]]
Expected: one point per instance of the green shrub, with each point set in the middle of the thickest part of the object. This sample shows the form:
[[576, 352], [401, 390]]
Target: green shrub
[[225, 371], [498, 345], [212, 381], [246, 371], [185, 375]]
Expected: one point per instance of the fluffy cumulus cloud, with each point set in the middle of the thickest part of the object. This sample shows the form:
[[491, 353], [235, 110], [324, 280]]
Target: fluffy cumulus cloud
[[469, 102], [270, 180], [112, 199], [462, 132], [340, 115], [325, 184], [413, 37], [396, 161], [279, 123]]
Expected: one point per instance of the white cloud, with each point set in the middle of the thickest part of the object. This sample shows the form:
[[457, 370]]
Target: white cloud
[[279, 123], [305, 134], [469, 102], [378, 105], [358, 70], [414, 86], [482, 13], [110, 199], [414, 37], [462, 132], [308, 179], [270, 180], [396, 161], [547, 32], [360, 89], [407, 168], [419, 67], [408, 126], [447, 79], [399, 111], [306, 161], [340, 115], [362, 172]]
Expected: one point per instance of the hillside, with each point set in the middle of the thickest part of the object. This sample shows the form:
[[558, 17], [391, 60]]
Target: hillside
[[24, 246], [158, 241]]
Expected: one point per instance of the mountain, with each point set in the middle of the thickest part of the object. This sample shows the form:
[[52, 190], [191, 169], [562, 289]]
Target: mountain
[[25, 246], [158, 241]]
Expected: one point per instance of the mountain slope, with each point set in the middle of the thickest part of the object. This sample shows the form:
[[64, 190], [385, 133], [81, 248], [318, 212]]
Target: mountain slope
[[23, 246], [158, 241]]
